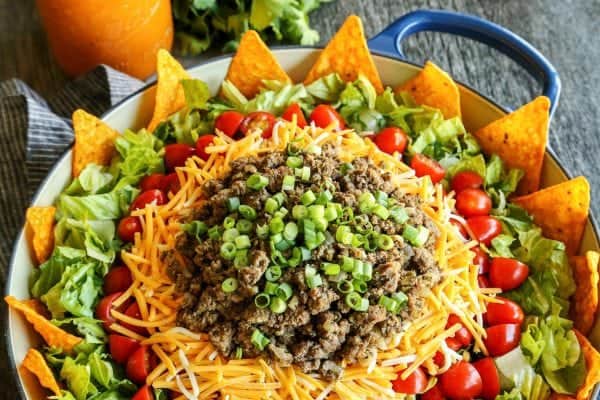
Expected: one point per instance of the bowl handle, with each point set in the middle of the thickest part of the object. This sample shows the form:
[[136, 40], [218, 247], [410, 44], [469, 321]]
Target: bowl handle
[[389, 42]]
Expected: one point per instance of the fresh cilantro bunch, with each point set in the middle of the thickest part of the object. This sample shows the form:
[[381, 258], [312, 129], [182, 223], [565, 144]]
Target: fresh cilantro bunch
[[202, 24]]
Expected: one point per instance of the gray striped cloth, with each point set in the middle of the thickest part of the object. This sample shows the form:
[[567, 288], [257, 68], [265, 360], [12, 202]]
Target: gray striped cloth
[[35, 132]]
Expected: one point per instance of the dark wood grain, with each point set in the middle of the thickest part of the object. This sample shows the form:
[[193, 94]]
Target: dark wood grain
[[565, 31]]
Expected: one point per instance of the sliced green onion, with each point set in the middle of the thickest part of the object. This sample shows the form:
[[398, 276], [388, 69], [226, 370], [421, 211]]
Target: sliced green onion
[[276, 225], [229, 222], [381, 198], [294, 162], [284, 291], [320, 224], [391, 305], [281, 213], [366, 201], [347, 264], [262, 231], [369, 243], [302, 173], [384, 242], [316, 211], [296, 257], [381, 211], [314, 281], [359, 285], [356, 302], [273, 273], [289, 183], [257, 181], [271, 288], [293, 149], [358, 240], [309, 271], [242, 242], [324, 197], [310, 234], [346, 216], [214, 232], [313, 149], [247, 212], [321, 238], [306, 254], [244, 226], [416, 236], [239, 353], [362, 270], [259, 340], [262, 300], [283, 245], [398, 214], [345, 168], [299, 211], [362, 224], [330, 268], [290, 231], [230, 234], [241, 259], [343, 234], [229, 285], [232, 203], [345, 286], [400, 297], [196, 228], [278, 306], [308, 198], [331, 212], [228, 251], [271, 205]]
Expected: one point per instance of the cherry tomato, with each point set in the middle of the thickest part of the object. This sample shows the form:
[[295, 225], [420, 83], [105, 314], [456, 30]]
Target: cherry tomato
[[461, 229], [324, 115], [484, 228], [489, 377], [150, 196], [462, 335], [502, 338], [415, 383], [294, 109], [424, 165], [176, 154], [391, 139], [507, 273], [507, 312], [483, 281], [103, 309], [473, 202], [128, 227], [258, 120], [461, 382], [481, 259], [171, 183], [121, 347], [435, 393], [154, 181], [229, 122], [133, 311], [144, 393], [138, 365], [118, 279], [465, 180], [202, 143]]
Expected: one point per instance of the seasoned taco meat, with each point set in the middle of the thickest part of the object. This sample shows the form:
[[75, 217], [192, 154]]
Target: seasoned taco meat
[[330, 313]]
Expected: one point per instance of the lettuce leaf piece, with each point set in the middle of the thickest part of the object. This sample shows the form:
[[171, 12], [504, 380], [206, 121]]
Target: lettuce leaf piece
[[93, 179], [275, 98], [97, 238], [101, 371], [233, 95], [106, 206], [89, 328], [517, 374], [327, 89], [77, 378], [50, 272], [140, 153], [196, 93], [356, 105], [514, 394]]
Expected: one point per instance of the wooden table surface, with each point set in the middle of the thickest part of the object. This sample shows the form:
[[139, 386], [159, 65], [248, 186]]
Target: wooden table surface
[[566, 31]]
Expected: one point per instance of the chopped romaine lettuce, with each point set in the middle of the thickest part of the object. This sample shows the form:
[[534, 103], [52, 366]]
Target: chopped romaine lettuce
[[140, 153], [196, 94], [327, 89], [516, 374]]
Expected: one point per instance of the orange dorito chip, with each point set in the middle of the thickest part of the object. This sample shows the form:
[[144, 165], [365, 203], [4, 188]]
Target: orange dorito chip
[[560, 210], [169, 92], [35, 363], [53, 335], [252, 64], [39, 229], [585, 299], [348, 55], [520, 140], [592, 362], [434, 88], [94, 141]]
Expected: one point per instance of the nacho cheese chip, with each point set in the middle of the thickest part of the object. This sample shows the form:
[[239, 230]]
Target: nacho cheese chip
[[52, 334], [348, 55], [585, 299], [94, 141], [433, 87], [253, 62], [35, 363], [560, 210], [520, 140], [169, 92], [592, 362], [39, 229]]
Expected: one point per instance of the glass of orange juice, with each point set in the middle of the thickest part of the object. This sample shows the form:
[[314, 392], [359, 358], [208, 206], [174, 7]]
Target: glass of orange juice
[[125, 34]]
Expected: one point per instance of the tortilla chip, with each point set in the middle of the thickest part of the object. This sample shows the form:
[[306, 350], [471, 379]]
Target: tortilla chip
[[36, 364], [39, 229], [37, 306], [561, 211], [592, 362], [253, 62], [585, 300], [169, 92], [433, 87], [94, 141], [52, 334], [348, 55], [520, 140]]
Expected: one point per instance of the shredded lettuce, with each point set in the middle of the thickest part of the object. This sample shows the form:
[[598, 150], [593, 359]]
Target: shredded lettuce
[[140, 153], [327, 89], [196, 93], [518, 377]]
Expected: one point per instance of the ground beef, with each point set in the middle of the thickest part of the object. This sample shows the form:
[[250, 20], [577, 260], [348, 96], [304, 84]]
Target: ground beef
[[318, 330]]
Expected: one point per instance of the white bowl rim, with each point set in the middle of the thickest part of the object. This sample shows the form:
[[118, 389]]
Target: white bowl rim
[[148, 85]]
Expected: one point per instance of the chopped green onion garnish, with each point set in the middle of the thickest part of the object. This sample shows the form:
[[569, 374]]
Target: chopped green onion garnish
[[299, 211], [229, 285], [284, 291], [257, 181], [381, 211], [308, 198], [279, 198], [320, 223], [331, 212], [277, 305], [241, 259], [271, 288], [247, 212], [306, 254], [214, 232], [290, 231], [262, 300], [343, 234], [398, 214], [294, 162], [230, 234], [259, 340], [345, 286], [239, 353], [366, 201], [314, 281], [283, 245], [281, 213], [244, 226], [384, 242], [369, 243], [346, 216], [228, 250], [229, 222], [356, 302], [276, 225], [381, 198], [309, 271], [391, 305], [262, 231], [302, 173], [358, 240], [273, 273], [324, 197], [362, 270], [196, 228], [310, 235], [362, 224], [330, 268], [288, 183], [359, 285], [345, 168], [316, 211], [347, 264], [400, 297], [242, 242], [271, 205], [232, 203], [416, 236]]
